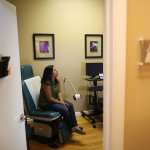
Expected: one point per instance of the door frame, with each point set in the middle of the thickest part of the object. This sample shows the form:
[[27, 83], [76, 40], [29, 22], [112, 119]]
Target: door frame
[[115, 73]]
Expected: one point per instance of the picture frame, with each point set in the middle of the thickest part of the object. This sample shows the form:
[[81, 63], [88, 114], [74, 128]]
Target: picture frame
[[43, 46], [93, 45]]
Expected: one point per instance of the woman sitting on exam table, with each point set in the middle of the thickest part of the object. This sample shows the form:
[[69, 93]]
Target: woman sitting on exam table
[[51, 99]]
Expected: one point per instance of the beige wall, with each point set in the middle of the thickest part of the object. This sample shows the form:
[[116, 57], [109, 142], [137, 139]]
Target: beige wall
[[137, 116], [69, 20]]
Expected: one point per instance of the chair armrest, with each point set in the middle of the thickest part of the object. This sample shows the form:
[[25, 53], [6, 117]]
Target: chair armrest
[[44, 116], [43, 119]]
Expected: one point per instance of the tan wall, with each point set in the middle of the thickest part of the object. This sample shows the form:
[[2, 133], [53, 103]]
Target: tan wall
[[137, 116], [69, 20]]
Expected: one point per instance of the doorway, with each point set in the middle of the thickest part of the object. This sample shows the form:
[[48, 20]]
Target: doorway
[[113, 9], [68, 28]]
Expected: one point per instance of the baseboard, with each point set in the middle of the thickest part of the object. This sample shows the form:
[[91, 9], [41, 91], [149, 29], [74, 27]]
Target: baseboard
[[78, 114]]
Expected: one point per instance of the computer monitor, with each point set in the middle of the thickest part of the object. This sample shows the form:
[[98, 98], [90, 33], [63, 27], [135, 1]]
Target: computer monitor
[[94, 69]]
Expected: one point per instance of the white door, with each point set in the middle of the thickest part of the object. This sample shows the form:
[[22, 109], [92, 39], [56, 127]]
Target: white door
[[12, 130]]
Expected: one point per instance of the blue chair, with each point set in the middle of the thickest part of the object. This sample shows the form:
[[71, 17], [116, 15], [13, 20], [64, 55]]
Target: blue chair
[[31, 89], [49, 118], [26, 71]]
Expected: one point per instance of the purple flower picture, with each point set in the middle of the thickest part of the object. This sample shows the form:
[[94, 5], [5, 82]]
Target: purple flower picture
[[44, 46], [93, 46]]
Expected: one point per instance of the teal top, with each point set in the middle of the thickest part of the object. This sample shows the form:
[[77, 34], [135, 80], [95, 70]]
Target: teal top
[[43, 99]]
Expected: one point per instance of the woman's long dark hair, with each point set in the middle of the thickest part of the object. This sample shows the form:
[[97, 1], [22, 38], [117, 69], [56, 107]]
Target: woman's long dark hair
[[47, 74]]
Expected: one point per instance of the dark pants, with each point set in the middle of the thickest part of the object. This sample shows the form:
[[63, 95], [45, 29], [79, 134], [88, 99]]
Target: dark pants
[[67, 111]]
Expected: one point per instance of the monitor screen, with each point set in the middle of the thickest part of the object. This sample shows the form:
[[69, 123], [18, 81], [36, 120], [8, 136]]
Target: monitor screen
[[93, 69]]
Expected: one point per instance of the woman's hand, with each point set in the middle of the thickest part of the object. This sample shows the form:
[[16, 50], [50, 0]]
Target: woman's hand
[[62, 102], [57, 78]]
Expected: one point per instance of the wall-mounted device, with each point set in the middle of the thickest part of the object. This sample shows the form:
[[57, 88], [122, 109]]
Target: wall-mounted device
[[4, 61]]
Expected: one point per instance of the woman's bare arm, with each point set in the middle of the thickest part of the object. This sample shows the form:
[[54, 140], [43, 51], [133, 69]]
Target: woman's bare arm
[[60, 94]]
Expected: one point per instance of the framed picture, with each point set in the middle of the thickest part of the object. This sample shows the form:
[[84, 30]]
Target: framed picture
[[44, 46], [93, 46]]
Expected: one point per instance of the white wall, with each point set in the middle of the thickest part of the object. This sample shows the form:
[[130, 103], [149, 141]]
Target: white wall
[[69, 20], [12, 131]]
